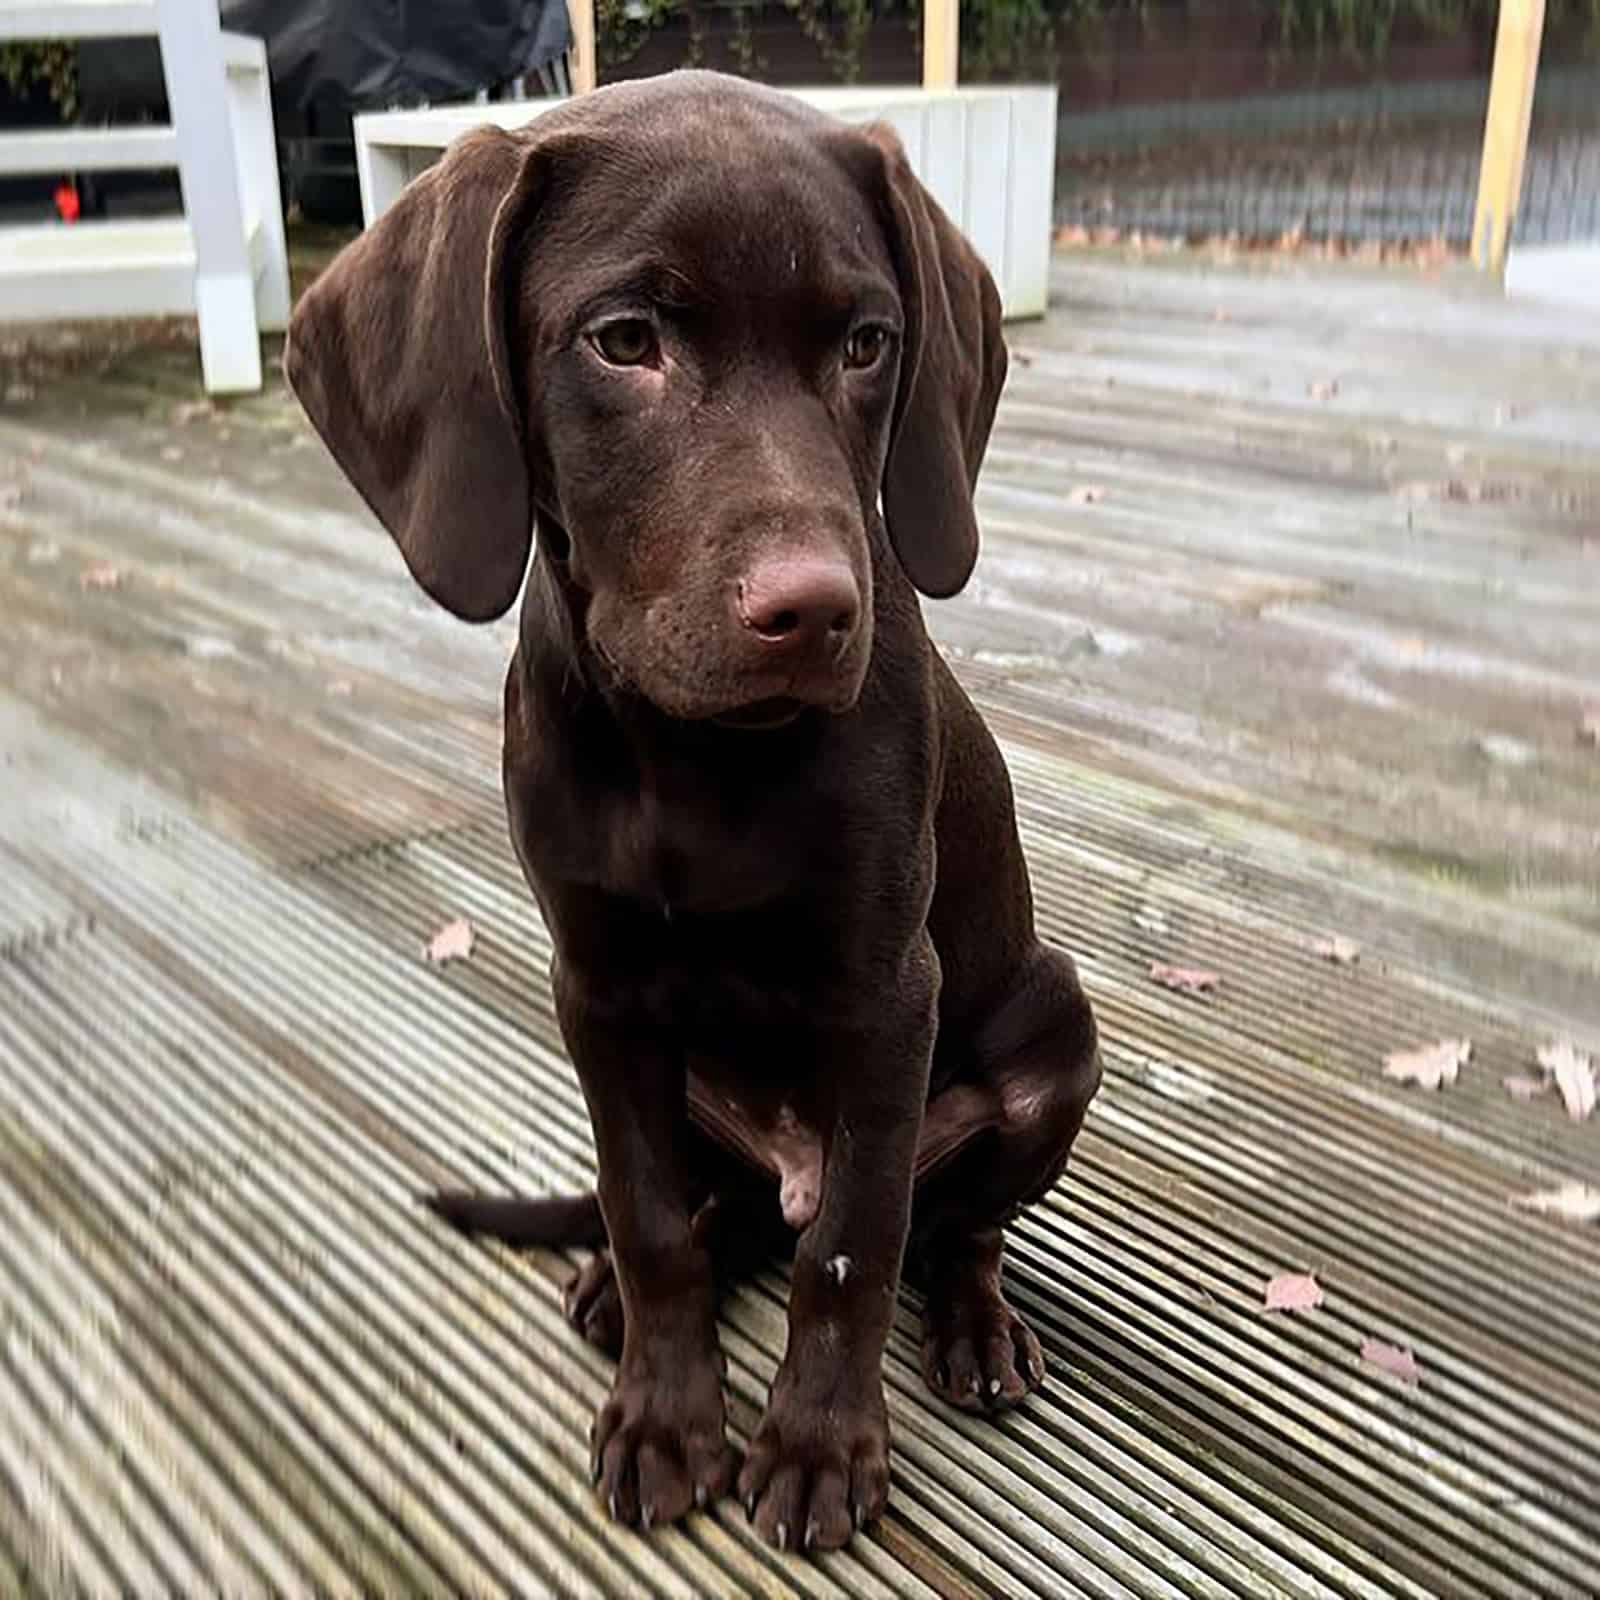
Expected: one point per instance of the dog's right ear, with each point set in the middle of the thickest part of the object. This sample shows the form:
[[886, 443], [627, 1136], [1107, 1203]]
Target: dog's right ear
[[398, 353]]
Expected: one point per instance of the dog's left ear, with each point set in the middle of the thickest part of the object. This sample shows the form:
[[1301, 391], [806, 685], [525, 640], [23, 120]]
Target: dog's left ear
[[952, 368], [399, 355]]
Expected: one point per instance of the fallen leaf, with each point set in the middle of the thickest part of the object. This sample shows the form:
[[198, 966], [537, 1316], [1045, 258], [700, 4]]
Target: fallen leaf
[[1325, 389], [1522, 1087], [1572, 1202], [1085, 494], [453, 942], [1430, 1065], [1394, 1359], [1573, 1073], [1292, 1291], [1336, 948], [1190, 980], [102, 575]]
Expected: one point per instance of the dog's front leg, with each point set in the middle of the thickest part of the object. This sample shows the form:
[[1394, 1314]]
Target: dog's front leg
[[819, 1463], [658, 1444]]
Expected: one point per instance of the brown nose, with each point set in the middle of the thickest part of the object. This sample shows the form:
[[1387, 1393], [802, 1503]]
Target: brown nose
[[801, 603]]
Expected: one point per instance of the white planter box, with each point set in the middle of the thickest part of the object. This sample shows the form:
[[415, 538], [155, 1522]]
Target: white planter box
[[987, 154]]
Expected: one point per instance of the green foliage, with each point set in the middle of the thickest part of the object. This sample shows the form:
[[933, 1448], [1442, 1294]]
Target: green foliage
[[53, 63], [1021, 38]]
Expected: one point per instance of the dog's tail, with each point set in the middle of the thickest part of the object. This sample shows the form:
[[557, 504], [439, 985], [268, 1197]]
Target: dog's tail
[[554, 1221]]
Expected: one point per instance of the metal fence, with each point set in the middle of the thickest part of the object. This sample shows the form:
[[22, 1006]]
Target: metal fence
[[1381, 163], [1196, 118]]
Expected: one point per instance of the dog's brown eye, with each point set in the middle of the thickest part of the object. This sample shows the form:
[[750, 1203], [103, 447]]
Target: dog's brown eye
[[865, 346], [627, 342]]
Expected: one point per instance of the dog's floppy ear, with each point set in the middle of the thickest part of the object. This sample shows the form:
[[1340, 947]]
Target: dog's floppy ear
[[398, 353], [952, 368]]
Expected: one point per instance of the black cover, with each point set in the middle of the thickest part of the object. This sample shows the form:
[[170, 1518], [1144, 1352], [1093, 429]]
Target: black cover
[[367, 54], [340, 56]]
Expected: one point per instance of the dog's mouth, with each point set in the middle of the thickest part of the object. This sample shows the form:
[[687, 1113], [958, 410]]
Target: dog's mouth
[[761, 715]]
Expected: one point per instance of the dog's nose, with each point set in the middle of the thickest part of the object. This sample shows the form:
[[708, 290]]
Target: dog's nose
[[801, 603]]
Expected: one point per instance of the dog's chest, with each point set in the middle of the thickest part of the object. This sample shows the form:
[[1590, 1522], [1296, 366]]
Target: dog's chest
[[685, 852]]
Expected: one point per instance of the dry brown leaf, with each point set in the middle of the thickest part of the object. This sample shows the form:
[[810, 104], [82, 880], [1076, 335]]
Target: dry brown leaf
[[1572, 1202], [453, 942], [1573, 1074], [102, 575], [1336, 948], [1520, 1086], [1393, 1359], [1430, 1065], [1189, 980], [1085, 494], [1292, 1291]]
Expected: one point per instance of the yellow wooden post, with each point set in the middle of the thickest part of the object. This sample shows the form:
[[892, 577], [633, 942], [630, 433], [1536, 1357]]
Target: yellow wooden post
[[1505, 134], [584, 69], [941, 43]]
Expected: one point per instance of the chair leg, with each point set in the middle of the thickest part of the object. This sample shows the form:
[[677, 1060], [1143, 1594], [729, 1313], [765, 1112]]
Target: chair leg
[[192, 64]]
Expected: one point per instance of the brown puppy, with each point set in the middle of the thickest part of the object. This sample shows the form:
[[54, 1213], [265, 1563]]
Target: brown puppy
[[692, 330]]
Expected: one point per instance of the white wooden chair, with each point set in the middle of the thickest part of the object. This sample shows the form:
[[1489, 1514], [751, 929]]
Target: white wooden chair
[[225, 260]]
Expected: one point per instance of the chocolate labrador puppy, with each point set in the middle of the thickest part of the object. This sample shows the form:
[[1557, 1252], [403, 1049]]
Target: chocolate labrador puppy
[[737, 368]]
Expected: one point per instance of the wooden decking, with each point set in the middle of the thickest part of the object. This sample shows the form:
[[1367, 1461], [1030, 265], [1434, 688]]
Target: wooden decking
[[1288, 620]]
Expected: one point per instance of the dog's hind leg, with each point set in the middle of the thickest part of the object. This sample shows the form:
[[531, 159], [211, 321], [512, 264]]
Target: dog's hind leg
[[993, 1142]]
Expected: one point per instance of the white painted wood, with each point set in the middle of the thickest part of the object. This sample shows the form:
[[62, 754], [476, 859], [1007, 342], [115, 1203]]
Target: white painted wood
[[96, 270], [1557, 275], [77, 19], [213, 197], [986, 154], [226, 259], [1030, 202], [249, 94], [53, 151]]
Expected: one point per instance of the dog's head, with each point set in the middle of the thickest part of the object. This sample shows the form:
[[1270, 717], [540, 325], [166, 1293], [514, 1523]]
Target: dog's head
[[694, 330]]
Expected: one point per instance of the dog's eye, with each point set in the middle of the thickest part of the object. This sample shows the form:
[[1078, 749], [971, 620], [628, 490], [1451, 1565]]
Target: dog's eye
[[865, 345], [627, 342]]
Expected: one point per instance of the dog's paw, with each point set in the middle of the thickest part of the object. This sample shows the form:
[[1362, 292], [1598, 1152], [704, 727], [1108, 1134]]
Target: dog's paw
[[658, 1445], [816, 1468], [592, 1302], [977, 1353]]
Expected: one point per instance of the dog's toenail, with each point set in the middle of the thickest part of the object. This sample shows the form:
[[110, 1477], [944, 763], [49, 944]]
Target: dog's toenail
[[700, 1495], [782, 1535], [611, 1506], [994, 1387], [647, 1516], [811, 1535], [860, 1515]]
